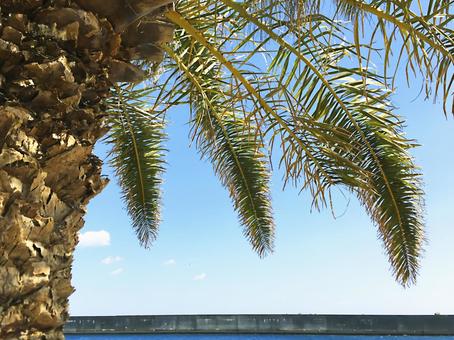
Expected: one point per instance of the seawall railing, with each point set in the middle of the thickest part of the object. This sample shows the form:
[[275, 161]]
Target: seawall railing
[[266, 323]]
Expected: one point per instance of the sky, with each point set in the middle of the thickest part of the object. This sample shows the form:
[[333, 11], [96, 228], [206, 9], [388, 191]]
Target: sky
[[202, 264]]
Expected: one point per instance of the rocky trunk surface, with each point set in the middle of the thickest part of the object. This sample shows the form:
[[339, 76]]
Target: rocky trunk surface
[[58, 60]]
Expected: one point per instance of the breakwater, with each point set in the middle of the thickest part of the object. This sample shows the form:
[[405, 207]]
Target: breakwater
[[266, 323]]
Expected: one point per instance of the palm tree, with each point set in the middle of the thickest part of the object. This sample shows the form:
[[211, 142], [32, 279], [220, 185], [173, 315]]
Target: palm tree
[[288, 83]]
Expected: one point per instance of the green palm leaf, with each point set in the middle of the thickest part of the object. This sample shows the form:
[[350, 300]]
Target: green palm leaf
[[227, 141], [318, 108], [243, 169], [391, 193], [420, 33], [137, 153], [287, 79]]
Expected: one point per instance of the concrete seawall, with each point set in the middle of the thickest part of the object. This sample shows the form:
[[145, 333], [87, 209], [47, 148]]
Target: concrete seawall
[[267, 323]]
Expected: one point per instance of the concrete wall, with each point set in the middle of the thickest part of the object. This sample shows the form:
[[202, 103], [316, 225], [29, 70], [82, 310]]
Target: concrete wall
[[269, 323]]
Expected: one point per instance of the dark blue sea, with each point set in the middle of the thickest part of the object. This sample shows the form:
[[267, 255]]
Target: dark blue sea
[[250, 337]]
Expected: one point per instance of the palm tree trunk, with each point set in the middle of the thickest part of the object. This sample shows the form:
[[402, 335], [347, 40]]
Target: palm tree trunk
[[46, 180], [58, 59]]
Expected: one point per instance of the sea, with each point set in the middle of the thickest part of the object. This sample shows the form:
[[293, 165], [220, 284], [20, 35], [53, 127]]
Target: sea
[[249, 337]]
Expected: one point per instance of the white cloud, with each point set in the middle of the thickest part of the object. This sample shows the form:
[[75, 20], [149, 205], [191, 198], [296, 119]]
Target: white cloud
[[111, 259], [117, 271], [200, 277], [170, 262], [99, 238]]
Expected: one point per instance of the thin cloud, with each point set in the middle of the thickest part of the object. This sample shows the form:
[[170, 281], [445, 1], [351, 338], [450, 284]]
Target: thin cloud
[[200, 277], [117, 271], [111, 259], [170, 262], [99, 238]]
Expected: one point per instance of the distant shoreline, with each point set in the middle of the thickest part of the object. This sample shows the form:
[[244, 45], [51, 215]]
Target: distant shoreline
[[327, 324]]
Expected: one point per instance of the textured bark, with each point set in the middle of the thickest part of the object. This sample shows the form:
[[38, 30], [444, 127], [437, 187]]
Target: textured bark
[[58, 60]]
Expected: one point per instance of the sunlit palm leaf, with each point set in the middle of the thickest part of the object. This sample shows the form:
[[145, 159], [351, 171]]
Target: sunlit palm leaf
[[321, 110], [227, 141], [413, 34], [137, 156], [290, 79], [243, 169], [392, 192]]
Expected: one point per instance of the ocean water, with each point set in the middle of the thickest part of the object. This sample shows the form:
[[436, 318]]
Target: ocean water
[[249, 337]]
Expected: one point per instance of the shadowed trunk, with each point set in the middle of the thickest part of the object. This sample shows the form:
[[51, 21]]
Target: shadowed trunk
[[58, 60]]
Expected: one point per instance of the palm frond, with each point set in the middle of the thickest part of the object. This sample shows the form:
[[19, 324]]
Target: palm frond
[[385, 180], [137, 155], [227, 140], [414, 38], [242, 168], [426, 39], [317, 108], [391, 193], [256, 80]]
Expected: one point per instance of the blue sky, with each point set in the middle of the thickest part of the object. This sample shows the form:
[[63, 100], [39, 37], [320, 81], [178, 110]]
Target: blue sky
[[202, 264]]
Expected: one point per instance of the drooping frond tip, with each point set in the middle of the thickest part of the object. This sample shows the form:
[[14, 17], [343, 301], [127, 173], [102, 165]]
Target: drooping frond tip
[[389, 184], [243, 170], [226, 139], [333, 128], [137, 153]]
